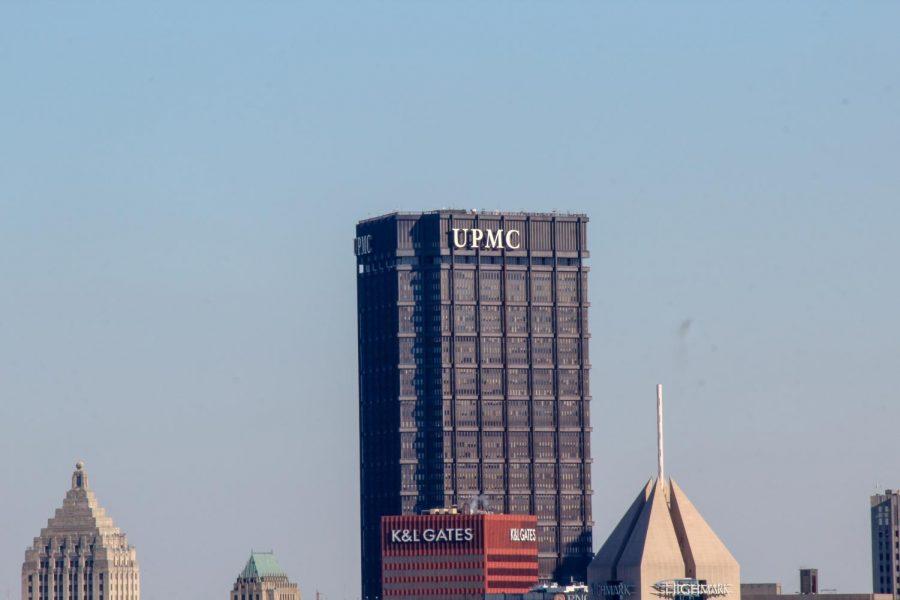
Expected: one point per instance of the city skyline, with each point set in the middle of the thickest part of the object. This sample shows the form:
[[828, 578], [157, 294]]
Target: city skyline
[[177, 302]]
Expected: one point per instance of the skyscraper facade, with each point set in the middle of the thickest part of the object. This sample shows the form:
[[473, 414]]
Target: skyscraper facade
[[473, 374], [80, 554], [886, 543]]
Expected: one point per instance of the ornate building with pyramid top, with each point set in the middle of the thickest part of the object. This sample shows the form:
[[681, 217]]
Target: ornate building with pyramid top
[[80, 554], [662, 548], [263, 579]]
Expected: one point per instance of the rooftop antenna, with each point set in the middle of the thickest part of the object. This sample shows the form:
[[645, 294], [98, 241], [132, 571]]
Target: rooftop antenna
[[661, 459]]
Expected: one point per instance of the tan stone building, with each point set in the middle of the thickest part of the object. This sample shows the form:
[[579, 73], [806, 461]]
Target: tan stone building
[[263, 579], [663, 549], [80, 554]]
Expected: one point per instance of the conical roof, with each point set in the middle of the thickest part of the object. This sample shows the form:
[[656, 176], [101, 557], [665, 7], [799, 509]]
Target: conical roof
[[661, 539], [81, 515], [80, 512], [653, 543], [704, 553], [662, 536], [603, 567], [262, 564], [81, 527]]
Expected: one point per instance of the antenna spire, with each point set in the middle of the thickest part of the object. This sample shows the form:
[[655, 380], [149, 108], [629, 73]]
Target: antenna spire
[[661, 459]]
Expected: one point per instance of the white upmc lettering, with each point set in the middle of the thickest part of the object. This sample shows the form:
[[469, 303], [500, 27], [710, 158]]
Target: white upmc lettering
[[457, 242], [494, 239], [363, 245]]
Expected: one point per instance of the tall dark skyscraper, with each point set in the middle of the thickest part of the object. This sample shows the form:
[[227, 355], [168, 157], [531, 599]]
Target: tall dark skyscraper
[[886, 543], [473, 374]]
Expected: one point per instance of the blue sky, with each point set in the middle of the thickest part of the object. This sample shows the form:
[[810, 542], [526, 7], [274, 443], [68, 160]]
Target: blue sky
[[178, 190]]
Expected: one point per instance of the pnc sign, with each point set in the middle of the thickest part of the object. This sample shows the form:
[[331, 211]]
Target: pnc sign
[[486, 239]]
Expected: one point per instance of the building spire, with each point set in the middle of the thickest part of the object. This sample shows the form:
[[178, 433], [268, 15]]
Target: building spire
[[79, 477], [661, 458]]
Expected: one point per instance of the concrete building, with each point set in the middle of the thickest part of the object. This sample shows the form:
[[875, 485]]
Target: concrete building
[[80, 554], [263, 579], [825, 596], [886, 543], [474, 375], [760, 589], [809, 590], [663, 548], [446, 555]]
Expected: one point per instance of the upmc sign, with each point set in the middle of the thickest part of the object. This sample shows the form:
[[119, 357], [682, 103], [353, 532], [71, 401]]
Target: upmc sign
[[486, 239]]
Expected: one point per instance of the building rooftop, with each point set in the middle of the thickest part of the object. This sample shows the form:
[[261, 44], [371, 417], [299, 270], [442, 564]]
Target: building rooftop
[[474, 213], [262, 564]]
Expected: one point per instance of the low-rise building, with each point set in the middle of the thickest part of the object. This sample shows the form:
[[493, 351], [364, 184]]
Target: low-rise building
[[760, 589], [809, 590], [459, 556]]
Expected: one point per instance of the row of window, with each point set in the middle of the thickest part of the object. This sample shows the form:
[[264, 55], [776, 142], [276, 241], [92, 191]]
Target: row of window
[[513, 383], [490, 382], [432, 578], [472, 350], [512, 286], [497, 414], [497, 445], [387, 265], [441, 591], [496, 477]]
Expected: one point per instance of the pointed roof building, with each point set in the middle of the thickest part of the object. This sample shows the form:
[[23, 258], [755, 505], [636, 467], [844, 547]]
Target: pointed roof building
[[663, 548], [263, 579], [80, 554]]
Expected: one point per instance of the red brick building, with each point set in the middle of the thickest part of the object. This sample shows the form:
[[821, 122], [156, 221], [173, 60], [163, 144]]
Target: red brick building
[[442, 556]]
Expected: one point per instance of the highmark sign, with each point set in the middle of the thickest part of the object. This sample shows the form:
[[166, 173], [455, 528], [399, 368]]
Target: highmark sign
[[615, 589], [486, 239], [690, 588]]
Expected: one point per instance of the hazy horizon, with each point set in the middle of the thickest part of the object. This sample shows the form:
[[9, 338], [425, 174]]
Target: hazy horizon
[[180, 186]]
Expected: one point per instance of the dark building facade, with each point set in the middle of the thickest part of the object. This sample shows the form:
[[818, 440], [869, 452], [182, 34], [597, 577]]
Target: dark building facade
[[473, 375], [809, 581], [886, 543]]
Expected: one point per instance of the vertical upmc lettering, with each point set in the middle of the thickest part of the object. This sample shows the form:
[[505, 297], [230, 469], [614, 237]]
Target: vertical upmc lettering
[[363, 245], [486, 239]]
